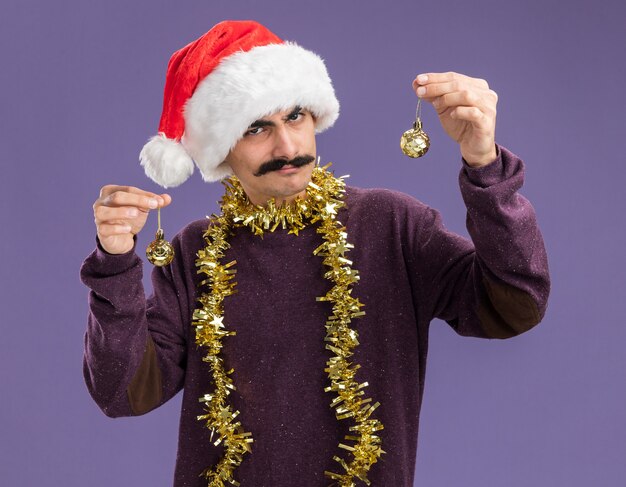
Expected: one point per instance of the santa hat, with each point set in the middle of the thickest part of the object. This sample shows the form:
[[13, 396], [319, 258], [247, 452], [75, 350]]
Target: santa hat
[[215, 87]]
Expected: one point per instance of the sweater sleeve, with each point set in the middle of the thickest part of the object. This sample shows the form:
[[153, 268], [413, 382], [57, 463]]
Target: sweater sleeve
[[135, 348], [496, 286]]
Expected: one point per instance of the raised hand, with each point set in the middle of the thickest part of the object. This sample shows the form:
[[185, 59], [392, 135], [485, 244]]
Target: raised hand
[[467, 111], [121, 212]]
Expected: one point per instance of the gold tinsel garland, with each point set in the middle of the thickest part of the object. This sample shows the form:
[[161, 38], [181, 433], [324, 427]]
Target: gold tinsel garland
[[323, 199]]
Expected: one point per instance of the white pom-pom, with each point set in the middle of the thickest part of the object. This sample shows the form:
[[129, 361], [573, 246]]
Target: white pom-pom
[[166, 162]]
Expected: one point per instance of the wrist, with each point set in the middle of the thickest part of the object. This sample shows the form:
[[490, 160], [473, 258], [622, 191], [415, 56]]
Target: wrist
[[117, 251], [475, 161]]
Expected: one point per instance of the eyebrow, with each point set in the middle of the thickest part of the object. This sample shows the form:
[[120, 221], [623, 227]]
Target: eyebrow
[[269, 123], [261, 123]]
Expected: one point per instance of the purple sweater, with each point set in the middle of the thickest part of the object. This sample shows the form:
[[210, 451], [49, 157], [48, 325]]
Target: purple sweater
[[140, 352]]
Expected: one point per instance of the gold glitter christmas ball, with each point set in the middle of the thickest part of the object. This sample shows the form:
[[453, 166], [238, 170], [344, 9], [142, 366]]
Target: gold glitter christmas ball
[[160, 252], [414, 142]]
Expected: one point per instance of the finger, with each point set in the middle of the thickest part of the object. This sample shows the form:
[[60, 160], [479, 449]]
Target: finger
[[111, 229], [144, 200], [473, 115], [433, 90], [112, 188], [167, 199], [477, 98], [109, 189], [429, 78], [108, 214]]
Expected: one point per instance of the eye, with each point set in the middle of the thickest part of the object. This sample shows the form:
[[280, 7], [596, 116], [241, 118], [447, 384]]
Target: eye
[[293, 116], [254, 131]]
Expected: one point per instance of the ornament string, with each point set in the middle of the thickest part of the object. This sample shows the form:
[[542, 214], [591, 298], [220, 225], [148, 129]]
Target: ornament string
[[418, 111]]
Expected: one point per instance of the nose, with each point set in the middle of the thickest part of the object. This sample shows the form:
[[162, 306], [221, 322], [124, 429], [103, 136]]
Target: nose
[[285, 143]]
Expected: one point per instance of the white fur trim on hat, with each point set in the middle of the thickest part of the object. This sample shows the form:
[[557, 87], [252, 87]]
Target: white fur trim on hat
[[165, 161], [247, 86]]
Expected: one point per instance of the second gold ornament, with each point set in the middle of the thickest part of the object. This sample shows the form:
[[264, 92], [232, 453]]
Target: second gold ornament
[[160, 252], [415, 142]]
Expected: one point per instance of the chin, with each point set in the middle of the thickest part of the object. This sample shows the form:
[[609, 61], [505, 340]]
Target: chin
[[291, 192], [289, 186]]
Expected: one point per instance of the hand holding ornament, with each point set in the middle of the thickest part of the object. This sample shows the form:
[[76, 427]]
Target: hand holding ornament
[[467, 112], [121, 212]]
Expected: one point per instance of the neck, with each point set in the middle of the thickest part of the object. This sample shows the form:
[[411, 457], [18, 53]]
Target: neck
[[263, 201], [320, 200]]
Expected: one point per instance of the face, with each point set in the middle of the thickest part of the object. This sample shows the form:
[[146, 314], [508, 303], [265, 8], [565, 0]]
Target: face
[[275, 157]]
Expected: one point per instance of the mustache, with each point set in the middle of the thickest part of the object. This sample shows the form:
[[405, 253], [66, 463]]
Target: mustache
[[276, 164]]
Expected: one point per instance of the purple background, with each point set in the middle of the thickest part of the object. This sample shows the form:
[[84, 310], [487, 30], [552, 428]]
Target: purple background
[[81, 91]]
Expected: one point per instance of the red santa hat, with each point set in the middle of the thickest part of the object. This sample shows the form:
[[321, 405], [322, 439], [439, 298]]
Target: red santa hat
[[218, 85]]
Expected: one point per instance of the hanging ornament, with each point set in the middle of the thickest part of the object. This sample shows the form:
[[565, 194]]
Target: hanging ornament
[[160, 252], [415, 142]]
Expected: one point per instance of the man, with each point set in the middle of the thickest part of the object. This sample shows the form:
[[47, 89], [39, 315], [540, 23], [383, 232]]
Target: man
[[307, 365]]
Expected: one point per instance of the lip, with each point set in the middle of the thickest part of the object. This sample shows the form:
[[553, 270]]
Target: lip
[[288, 169]]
